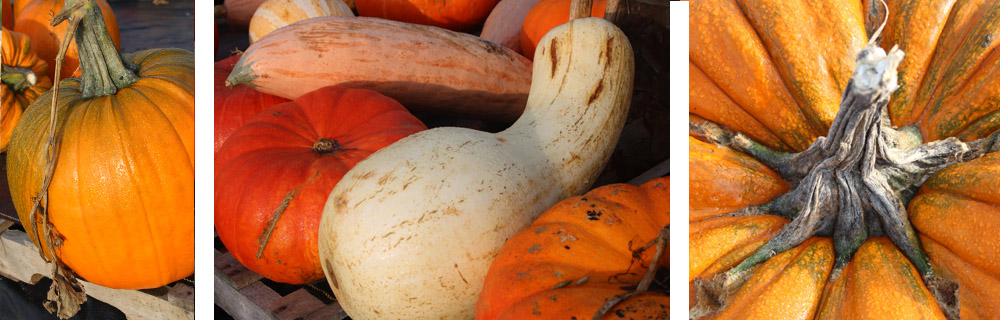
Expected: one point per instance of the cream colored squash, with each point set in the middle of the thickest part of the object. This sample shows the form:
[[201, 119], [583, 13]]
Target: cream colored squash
[[411, 231], [274, 14]]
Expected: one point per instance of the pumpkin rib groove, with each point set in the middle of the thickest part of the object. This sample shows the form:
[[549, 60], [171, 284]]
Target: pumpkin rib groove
[[129, 154], [974, 117], [944, 86], [770, 134], [159, 111]]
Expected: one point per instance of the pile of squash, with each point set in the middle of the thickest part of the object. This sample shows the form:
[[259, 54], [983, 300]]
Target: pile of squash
[[767, 80], [326, 168], [112, 200]]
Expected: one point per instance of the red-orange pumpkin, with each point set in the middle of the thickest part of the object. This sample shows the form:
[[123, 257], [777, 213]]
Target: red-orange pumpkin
[[458, 15], [277, 171], [17, 91], [233, 106], [544, 16], [34, 20], [579, 253]]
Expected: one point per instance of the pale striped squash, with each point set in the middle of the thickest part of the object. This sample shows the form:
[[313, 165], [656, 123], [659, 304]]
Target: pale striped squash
[[274, 14]]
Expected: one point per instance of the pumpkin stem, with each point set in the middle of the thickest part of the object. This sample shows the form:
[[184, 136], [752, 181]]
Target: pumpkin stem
[[325, 146], [18, 79], [853, 183], [103, 72]]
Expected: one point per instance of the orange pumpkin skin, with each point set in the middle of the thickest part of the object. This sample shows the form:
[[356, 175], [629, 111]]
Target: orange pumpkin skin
[[878, 283], [458, 15], [34, 21], [122, 195], [722, 180], [234, 106], [588, 237], [17, 52], [746, 76], [956, 210], [544, 16], [273, 155]]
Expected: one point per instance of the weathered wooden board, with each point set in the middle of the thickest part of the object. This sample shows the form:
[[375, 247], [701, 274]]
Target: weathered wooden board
[[243, 295]]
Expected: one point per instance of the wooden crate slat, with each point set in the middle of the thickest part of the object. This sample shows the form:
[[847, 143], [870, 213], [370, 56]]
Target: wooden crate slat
[[239, 275], [234, 303], [136, 304], [19, 260], [295, 305], [260, 294], [331, 311], [181, 295]]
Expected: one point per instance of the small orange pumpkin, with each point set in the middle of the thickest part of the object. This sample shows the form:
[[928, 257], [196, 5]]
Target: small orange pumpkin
[[24, 79], [34, 20], [579, 253]]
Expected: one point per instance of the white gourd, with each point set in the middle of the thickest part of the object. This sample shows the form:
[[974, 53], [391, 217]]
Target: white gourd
[[410, 232]]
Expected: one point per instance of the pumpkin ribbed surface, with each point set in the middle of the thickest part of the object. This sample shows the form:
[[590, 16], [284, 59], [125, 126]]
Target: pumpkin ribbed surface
[[775, 72], [589, 242]]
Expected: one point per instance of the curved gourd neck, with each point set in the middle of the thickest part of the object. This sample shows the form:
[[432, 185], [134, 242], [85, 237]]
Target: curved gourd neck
[[103, 71], [580, 93]]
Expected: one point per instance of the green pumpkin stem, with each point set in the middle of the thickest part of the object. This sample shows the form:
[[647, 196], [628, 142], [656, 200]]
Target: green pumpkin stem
[[103, 72], [18, 79]]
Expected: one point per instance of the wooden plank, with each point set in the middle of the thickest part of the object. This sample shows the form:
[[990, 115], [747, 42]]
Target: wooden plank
[[331, 311], [234, 303], [136, 304], [260, 294], [19, 260], [657, 171], [181, 295], [239, 275], [296, 305]]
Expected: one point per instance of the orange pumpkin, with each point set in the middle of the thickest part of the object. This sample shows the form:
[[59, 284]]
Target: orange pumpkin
[[34, 20], [121, 198], [841, 237], [24, 79], [458, 15], [579, 253], [544, 16]]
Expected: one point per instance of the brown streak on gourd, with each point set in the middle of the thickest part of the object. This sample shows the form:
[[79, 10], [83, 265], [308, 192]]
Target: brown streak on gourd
[[597, 92], [555, 59], [607, 54]]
